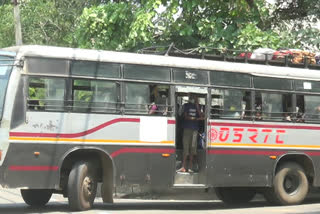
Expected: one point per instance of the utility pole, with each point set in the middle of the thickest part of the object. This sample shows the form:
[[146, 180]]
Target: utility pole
[[17, 22]]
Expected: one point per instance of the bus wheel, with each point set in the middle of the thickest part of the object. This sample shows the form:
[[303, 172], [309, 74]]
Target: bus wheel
[[290, 185], [36, 197], [268, 194], [235, 195], [82, 186]]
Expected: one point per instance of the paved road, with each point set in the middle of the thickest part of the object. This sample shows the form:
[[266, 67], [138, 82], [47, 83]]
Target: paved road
[[11, 202]]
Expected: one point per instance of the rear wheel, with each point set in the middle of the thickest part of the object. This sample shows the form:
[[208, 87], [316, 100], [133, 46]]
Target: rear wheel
[[82, 186], [268, 194], [36, 197], [235, 195], [290, 185]]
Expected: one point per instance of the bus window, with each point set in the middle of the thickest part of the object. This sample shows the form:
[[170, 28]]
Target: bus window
[[300, 116], [95, 69], [94, 96], [272, 83], [47, 66], [46, 94], [273, 106], [230, 104], [308, 107], [306, 85], [4, 78], [147, 99], [143, 72], [230, 79]]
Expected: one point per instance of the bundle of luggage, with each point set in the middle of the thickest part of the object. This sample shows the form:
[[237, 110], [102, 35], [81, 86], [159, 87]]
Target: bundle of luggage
[[295, 56]]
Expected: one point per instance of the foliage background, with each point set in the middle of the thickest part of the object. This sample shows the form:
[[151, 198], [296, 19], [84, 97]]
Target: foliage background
[[129, 25]]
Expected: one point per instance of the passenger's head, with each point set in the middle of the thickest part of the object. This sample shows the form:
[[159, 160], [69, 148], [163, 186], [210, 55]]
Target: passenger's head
[[192, 98], [163, 94]]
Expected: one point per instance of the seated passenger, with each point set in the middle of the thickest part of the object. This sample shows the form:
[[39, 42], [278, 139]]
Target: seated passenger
[[159, 106], [287, 117]]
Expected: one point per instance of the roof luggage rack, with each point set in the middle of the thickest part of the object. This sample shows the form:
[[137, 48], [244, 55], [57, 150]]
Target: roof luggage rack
[[230, 55]]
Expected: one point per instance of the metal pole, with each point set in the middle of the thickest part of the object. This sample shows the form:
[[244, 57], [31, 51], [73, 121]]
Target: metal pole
[[17, 22]]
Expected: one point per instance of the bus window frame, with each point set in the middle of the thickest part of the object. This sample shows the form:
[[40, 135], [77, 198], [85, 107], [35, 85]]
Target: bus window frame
[[169, 98], [269, 77], [211, 77], [11, 57], [64, 107], [233, 88], [305, 90], [44, 73], [280, 92], [71, 101], [95, 74], [301, 93], [123, 68]]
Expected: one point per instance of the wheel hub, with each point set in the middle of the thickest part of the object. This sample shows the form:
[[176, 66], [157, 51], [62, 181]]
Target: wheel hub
[[87, 187], [288, 183], [291, 184]]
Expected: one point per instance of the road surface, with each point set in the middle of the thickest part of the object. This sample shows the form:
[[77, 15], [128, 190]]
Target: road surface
[[11, 202]]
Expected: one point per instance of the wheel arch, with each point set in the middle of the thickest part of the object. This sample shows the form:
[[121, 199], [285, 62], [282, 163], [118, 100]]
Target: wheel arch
[[302, 159], [105, 166]]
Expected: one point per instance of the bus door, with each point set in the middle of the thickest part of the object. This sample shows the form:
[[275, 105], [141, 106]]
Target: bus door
[[186, 173]]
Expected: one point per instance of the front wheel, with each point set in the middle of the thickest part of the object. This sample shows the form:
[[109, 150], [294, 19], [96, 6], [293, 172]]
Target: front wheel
[[82, 186], [235, 195], [290, 185], [36, 197]]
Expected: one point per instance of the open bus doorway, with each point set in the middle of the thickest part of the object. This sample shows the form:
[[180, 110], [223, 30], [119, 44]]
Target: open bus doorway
[[194, 175]]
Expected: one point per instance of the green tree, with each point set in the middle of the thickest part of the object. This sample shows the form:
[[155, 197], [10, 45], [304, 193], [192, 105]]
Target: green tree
[[117, 26], [43, 22], [6, 26], [131, 25]]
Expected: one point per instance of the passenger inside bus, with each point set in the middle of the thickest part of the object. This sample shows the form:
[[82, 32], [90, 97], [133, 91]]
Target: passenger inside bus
[[273, 106], [159, 101], [192, 115], [230, 104]]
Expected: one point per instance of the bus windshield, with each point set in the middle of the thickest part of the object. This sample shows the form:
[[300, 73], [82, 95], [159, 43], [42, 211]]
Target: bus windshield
[[5, 70]]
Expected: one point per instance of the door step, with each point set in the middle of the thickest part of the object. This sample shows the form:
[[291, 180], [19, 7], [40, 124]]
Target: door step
[[198, 186], [184, 178]]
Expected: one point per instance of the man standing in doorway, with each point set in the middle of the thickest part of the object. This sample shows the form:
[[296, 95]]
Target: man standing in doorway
[[191, 111]]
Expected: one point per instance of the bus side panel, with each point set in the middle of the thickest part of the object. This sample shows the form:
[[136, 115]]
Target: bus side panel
[[136, 166], [316, 165], [162, 165], [228, 169], [22, 168], [161, 171], [52, 135], [245, 153]]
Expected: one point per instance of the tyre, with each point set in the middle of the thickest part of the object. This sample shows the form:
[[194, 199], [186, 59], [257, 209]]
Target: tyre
[[36, 197], [235, 195], [290, 185], [82, 186], [268, 194]]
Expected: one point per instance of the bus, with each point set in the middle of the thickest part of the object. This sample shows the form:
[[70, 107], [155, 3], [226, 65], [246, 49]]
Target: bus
[[71, 119]]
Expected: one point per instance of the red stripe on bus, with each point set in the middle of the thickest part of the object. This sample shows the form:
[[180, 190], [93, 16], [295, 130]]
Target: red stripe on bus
[[245, 152], [171, 122], [33, 168], [313, 153], [246, 125], [141, 150], [257, 152], [80, 134]]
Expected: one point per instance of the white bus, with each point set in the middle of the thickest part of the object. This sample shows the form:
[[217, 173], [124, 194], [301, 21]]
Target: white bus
[[73, 118]]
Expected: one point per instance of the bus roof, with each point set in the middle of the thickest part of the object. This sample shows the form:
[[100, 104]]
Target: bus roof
[[167, 61]]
